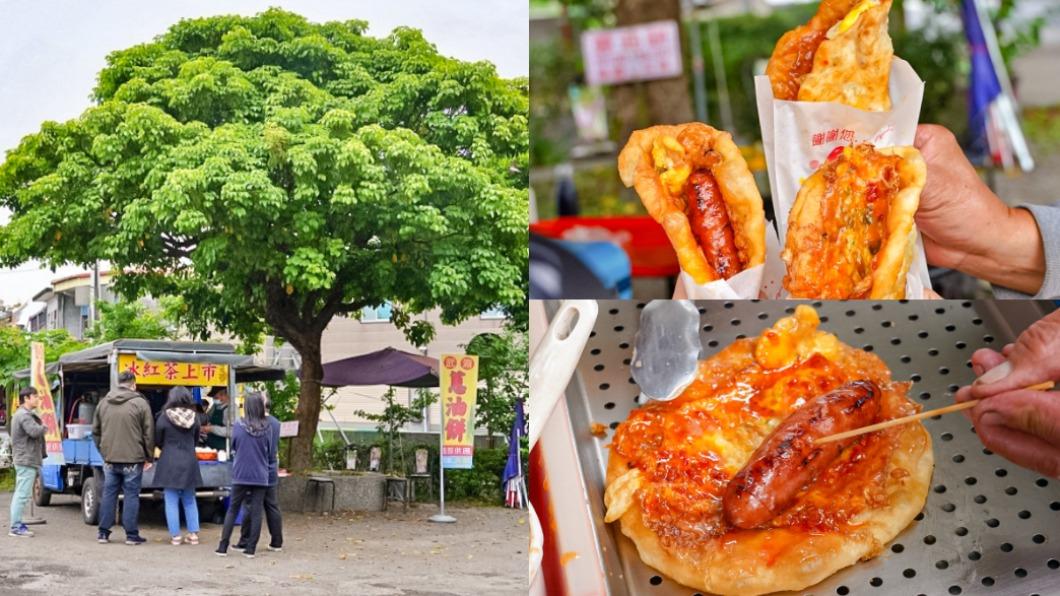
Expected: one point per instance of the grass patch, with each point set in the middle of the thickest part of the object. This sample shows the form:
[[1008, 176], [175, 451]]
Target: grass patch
[[7, 480], [1043, 126]]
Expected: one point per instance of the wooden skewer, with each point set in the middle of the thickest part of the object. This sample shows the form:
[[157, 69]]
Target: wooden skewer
[[897, 421]]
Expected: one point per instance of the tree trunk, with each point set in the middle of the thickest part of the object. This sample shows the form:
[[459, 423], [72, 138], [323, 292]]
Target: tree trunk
[[665, 101], [308, 411]]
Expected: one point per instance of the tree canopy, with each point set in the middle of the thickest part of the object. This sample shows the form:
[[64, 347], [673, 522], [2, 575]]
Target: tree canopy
[[15, 349], [128, 320], [504, 365], [274, 173]]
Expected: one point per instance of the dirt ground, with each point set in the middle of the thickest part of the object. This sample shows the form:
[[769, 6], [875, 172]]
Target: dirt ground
[[370, 554]]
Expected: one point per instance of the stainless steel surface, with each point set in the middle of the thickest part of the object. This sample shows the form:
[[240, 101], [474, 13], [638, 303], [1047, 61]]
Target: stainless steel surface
[[667, 349], [989, 526]]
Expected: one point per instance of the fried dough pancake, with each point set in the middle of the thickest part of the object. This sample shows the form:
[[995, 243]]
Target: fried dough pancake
[[842, 54], [658, 162], [670, 463], [851, 232]]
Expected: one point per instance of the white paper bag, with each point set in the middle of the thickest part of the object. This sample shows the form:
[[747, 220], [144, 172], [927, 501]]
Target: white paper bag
[[798, 136]]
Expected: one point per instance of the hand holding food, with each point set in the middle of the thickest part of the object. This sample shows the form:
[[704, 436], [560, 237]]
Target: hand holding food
[[956, 206], [693, 180]]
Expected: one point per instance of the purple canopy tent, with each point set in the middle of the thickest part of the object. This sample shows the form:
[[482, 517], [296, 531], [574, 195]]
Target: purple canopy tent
[[388, 366]]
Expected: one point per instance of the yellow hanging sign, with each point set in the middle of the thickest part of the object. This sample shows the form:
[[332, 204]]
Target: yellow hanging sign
[[191, 374]]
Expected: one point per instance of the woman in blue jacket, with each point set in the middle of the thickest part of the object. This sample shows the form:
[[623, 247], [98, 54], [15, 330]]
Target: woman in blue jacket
[[254, 449]]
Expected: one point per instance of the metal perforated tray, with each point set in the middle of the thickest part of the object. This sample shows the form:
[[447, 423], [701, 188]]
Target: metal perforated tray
[[989, 526]]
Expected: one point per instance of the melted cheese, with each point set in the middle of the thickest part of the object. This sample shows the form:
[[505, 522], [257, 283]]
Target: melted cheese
[[852, 17], [778, 346], [668, 155]]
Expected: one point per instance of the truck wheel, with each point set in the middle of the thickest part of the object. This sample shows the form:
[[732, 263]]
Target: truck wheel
[[91, 495], [42, 497]]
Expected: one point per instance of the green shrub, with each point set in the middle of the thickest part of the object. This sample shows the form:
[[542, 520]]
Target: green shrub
[[329, 454], [482, 483]]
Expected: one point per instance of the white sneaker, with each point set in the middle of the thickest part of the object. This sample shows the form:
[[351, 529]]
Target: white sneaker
[[276, 549]]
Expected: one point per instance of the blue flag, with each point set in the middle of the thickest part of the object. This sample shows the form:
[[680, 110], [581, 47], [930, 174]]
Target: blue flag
[[984, 86], [513, 467]]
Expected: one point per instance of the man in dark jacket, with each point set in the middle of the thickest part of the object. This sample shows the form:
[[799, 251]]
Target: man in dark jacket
[[27, 449], [273, 519], [124, 432]]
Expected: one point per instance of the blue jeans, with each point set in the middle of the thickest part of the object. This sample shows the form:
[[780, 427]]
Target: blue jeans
[[127, 477], [186, 498], [24, 477]]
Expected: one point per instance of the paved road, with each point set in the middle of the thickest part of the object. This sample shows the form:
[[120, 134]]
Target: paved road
[[367, 554]]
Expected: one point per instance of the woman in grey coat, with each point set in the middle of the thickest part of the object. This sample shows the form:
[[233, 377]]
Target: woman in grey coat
[[177, 470]]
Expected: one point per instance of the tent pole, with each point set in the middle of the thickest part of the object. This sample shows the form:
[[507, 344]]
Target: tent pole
[[336, 420]]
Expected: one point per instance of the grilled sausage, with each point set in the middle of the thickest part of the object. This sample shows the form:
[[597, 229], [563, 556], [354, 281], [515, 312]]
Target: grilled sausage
[[710, 223], [788, 459]]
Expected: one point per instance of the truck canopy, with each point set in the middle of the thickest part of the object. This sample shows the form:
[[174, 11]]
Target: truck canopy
[[95, 358]]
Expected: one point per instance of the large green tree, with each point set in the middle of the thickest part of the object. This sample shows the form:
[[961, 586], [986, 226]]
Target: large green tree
[[276, 173], [128, 320], [504, 366]]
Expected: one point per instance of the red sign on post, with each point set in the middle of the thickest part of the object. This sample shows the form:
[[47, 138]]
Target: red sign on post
[[637, 53]]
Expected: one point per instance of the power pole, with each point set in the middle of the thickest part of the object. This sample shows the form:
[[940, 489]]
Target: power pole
[[93, 314]]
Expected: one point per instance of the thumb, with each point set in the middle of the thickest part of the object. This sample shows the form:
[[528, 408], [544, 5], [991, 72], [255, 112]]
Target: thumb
[[1031, 360], [1010, 375], [985, 359]]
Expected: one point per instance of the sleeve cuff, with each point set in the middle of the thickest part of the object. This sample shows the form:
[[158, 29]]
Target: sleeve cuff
[[1048, 220]]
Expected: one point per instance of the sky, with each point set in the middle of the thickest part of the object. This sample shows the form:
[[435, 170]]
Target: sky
[[51, 51]]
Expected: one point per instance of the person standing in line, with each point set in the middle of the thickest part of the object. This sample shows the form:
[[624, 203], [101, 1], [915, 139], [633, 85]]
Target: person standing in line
[[28, 450], [253, 445], [177, 472], [124, 433], [273, 518]]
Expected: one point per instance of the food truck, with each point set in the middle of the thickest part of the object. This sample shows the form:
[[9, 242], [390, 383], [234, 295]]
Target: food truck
[[85, 376]]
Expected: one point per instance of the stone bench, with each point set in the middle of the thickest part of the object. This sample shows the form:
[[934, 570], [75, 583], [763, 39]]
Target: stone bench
[[359, 491]]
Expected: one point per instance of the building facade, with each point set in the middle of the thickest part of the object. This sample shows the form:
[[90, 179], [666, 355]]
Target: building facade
[[347, 337], [67, 304]]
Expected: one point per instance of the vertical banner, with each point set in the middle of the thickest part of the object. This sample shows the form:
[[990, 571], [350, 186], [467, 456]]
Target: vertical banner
[[53, 439], [458, 378]]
